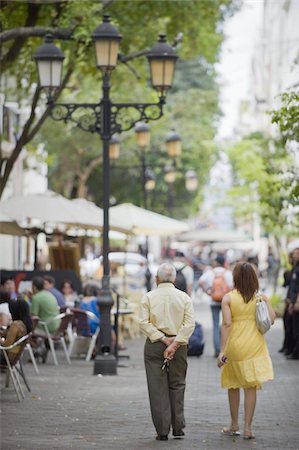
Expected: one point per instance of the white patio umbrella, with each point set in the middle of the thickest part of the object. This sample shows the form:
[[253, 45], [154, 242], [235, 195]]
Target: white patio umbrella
[[95, 214], [48, 209], [213, 235], [142, 221]]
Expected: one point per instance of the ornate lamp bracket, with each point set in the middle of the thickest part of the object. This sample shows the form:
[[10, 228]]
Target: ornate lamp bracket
[[124, 116]]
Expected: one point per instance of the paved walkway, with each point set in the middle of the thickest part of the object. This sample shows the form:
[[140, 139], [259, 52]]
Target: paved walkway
[[69, 408]]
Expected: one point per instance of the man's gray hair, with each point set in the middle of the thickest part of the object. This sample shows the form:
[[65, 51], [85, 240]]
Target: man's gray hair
[[166, 273]]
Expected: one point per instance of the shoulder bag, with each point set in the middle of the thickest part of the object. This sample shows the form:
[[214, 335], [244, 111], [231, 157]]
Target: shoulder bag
[[262, 317]]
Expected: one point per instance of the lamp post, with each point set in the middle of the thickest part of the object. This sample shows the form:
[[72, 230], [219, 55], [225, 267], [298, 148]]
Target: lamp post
[[105, 119], [174, 146], [142, 131]]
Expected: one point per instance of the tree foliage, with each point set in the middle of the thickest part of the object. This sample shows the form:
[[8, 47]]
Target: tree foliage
[[287, 117], [192, 108], [265, 183]]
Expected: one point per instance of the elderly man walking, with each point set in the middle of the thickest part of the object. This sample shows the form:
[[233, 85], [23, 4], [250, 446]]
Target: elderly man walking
[[167, 320]]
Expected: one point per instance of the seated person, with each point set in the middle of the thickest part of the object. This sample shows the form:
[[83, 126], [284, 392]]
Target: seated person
[[89, 303], [5, 316], [49, 285], [44, 305], [20, 326], [70, 296], [9, 286]]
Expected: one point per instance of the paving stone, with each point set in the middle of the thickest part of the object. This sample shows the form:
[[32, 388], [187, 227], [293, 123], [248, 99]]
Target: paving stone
[[69, 408]]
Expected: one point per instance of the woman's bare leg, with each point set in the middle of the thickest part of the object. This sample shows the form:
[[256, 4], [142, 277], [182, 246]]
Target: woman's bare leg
[[249, 407], [234, 402]]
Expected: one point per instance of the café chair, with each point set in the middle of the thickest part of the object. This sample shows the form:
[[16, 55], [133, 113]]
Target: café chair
[[58, 336], [14, 368], [81, 331]]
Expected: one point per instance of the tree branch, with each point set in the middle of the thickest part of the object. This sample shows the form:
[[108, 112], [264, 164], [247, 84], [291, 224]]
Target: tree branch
[[83, 176], [24, 32], [47, 110], [27, 134], [125, 58], [30, 21]]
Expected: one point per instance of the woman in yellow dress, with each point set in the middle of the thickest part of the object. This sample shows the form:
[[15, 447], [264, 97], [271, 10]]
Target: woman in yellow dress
[[244, 358]]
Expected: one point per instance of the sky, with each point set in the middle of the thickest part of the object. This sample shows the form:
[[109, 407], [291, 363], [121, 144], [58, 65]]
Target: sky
[[241, 32]]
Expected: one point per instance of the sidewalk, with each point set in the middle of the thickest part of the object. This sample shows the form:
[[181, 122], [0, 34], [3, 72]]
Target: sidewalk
[[69, 408]]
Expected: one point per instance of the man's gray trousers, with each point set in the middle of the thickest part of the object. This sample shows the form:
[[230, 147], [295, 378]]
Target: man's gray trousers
[[166, 387]]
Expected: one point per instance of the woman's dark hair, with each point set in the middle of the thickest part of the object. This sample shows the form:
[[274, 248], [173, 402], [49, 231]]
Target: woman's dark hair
[[4, 295], [90, 290], [38, 282], [245, 280], [49, 279], [66, 282], [19, 310]]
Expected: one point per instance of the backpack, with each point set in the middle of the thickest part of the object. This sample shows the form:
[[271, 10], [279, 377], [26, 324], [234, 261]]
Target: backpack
[[180, 281], [219, 287], [196, 342]]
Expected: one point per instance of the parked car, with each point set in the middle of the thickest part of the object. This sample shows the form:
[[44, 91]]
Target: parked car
[[126, 268]]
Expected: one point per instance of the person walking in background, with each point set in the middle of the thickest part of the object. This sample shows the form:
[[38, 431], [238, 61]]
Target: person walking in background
[[288, 333], [184, 273], [216, 282], [49, 285], [167, 320], [293, 309], [244, 358]]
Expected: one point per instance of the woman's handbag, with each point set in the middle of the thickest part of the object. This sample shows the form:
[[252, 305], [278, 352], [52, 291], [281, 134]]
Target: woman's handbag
[[262, 317]]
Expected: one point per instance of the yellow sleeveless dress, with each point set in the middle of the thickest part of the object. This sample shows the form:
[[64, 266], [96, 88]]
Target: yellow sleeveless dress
[[248, 361]]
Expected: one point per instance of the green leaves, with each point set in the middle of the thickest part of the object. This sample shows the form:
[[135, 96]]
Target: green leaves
[[192, 106], [264, 183], [287, 117]]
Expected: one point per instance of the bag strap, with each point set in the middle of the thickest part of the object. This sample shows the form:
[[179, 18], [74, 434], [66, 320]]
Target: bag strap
[[259, 297]]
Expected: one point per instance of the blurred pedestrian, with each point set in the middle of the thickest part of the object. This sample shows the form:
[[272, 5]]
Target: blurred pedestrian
[[167, 320], [293, 309], [244, 356], [184, 273], [197, 266], [288, 334], [216, 282]]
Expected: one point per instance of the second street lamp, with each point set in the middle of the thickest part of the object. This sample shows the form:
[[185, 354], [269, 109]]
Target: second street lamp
[[142, 131], [106, 118]]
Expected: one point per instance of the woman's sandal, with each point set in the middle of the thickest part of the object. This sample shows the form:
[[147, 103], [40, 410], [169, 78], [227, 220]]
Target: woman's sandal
[[248, 435], [230, 432]]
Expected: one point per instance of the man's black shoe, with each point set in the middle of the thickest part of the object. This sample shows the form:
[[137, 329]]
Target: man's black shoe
[[162, 437], [178, 433], [291, 356]]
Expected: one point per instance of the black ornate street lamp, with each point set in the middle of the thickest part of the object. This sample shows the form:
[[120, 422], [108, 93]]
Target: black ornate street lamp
[[106, 118]]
